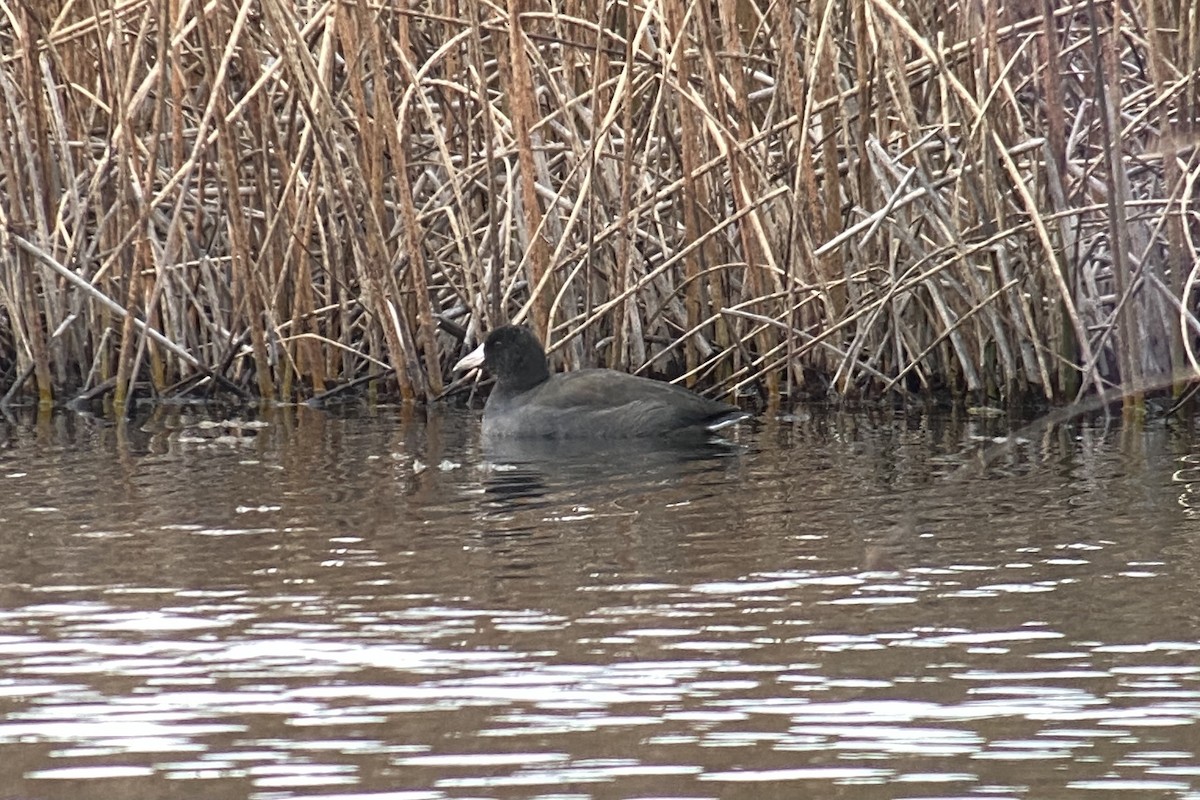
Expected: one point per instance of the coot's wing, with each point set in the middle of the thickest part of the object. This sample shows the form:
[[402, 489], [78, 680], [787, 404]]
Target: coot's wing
[[606, 388], [603, 403]]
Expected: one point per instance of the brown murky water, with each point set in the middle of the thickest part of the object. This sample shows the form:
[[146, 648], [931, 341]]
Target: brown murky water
[[315, 606]]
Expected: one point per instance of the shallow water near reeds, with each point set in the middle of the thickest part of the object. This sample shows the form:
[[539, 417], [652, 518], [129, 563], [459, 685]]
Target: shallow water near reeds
[[373, 606]]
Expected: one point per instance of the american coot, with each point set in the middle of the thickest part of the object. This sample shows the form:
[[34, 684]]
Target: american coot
[[529, 402]]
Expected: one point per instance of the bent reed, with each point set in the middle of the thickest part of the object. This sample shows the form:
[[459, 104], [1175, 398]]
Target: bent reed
[[272, 200]]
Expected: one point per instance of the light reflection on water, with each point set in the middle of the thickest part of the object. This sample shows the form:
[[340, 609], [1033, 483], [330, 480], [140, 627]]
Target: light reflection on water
[[377, 607]]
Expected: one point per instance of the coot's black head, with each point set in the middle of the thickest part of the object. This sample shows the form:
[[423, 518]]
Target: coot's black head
[[515, 356]]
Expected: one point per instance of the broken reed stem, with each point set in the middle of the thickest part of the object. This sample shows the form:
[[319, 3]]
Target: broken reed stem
[[875, 197]]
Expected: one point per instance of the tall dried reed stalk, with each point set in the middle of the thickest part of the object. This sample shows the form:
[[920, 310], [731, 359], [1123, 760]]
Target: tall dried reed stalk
[[276, 198]]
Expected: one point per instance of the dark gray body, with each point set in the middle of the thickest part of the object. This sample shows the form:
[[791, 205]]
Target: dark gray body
[[603, 404], [528, 402]]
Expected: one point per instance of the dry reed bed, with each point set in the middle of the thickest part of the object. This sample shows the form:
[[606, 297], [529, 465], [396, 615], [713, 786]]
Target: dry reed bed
[[274, 199]]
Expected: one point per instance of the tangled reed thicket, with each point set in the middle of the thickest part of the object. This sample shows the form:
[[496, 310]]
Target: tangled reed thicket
[[273, 199]]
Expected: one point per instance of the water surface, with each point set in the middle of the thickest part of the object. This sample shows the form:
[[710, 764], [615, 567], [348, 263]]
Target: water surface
[[371, 605]]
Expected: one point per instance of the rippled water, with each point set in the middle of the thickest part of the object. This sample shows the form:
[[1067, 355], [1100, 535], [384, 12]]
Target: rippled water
[[306, 605]]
